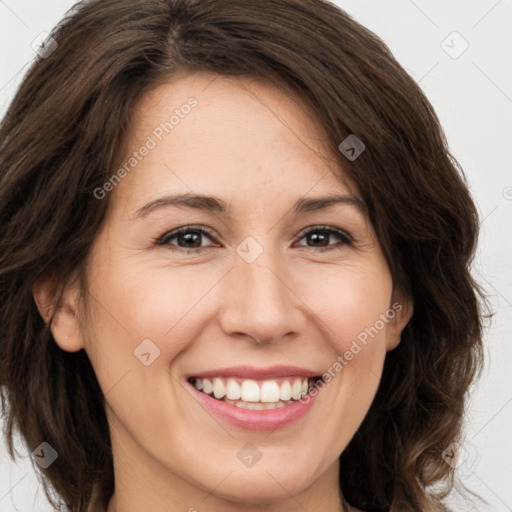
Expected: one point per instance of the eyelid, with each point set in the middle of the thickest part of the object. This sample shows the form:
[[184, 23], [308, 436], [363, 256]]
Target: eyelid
[[330, 229], [162, 240]]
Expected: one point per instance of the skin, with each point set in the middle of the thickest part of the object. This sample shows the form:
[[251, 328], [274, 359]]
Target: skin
[[259, 149]]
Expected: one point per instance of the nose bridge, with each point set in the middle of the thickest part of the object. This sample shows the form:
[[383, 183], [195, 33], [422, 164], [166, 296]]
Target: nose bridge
[[260, 301]]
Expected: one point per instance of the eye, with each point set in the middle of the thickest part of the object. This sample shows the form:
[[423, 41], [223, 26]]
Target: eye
[[189, 238], [320, 235]]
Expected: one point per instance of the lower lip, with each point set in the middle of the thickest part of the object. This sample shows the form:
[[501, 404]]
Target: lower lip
[[250, 419]]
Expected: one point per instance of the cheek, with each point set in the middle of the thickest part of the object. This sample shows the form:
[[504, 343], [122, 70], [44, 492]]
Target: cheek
[[349, 305], [350, 301], [135, 303]]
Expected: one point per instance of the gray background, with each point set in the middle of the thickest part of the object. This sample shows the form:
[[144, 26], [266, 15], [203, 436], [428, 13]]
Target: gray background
[[472, 94]]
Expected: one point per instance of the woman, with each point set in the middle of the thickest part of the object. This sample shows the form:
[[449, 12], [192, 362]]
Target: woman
[[313, 347]]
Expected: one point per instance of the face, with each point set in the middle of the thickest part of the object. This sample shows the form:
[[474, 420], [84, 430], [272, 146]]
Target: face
[[260, 291]]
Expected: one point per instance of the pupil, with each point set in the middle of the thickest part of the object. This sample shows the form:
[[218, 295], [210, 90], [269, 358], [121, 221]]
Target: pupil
[[315, 237], [189, 238]]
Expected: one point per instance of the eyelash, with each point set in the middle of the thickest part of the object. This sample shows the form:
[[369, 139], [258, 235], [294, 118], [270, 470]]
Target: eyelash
[[164, 240]]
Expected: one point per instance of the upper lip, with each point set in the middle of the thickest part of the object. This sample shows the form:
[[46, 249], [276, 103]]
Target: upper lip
[[251, 372]]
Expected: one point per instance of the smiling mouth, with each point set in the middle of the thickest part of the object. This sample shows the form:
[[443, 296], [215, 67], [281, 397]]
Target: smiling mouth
[[255, 394]]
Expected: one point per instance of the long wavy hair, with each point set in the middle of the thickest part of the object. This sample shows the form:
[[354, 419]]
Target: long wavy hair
[[61, 138]]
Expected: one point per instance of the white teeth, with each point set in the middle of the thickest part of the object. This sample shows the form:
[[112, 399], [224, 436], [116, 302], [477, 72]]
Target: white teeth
[[250, 391], [219, 390], [270, 391], [258, 405], [304, 388], [232, 390], [267, 392], [207, 386], [296, 389], [285, 392]]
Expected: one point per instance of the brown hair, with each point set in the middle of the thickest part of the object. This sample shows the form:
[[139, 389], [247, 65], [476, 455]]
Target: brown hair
[[60, 140]]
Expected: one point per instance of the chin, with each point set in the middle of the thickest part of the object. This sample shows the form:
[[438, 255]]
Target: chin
[[264, 484]]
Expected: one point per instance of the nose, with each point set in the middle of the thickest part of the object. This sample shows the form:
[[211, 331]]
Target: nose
[[260, 300]]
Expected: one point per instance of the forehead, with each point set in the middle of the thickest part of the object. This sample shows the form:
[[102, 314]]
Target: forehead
[[216, 135]]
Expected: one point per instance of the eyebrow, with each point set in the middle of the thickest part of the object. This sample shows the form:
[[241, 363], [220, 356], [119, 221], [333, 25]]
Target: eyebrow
[[216, 205]]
